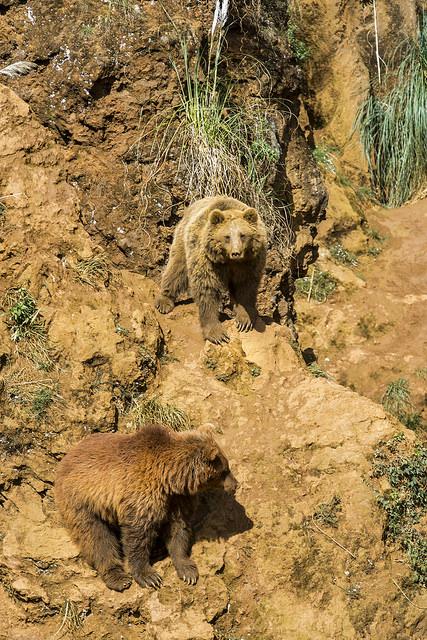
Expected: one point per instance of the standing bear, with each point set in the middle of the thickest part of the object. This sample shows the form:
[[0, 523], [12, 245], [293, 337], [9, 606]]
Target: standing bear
[[219, 247], [118, 493]]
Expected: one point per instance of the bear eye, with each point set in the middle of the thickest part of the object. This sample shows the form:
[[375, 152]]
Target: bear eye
[[227, 238], [217, 462], [242, 236]]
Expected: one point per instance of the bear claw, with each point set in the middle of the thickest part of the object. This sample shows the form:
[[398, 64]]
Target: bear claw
[[188, 573], [164, 304], [150, 580], [117, 579]]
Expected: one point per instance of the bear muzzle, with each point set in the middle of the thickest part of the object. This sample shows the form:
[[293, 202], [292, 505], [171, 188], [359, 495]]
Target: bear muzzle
[[230, 484]]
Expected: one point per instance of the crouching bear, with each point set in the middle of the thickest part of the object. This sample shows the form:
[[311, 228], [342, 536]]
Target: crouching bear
[[118, 493], [219, 247]]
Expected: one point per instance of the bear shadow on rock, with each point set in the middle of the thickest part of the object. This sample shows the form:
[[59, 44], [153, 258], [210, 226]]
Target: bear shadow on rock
[[219, 515]]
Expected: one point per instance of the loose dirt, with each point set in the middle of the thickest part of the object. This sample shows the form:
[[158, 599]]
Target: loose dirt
[[373, 329]]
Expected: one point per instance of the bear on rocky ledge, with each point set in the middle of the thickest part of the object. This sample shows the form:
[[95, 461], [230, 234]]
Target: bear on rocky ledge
[[219, 248]]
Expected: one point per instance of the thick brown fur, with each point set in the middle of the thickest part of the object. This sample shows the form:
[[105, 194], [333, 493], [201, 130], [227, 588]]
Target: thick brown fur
[[219, 247], [117, 493]]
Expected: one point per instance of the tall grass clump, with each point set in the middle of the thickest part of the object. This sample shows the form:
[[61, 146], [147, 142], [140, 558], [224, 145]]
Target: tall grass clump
[[393, 125], [224, 148]]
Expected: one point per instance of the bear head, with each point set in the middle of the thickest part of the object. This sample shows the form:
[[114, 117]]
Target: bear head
[[233, 235], [205, 468]]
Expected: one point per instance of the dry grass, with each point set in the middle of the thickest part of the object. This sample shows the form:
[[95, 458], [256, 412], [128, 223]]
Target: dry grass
[[152, 410], [222, 148], [93, 270], [36, 394]]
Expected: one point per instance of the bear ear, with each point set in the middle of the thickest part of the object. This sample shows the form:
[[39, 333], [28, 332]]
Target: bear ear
[[216, 217], [250, 215], [207, 429]]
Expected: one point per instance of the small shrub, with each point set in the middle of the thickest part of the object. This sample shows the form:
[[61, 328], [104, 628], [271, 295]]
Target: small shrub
[[374, 234], [255, 370], [317, 372], [367, 326], [327, 512], [152, 410], [27, 327], [324, 156], [342, 256], [41, 402], [405, 503], [300, 49], [319, 285]]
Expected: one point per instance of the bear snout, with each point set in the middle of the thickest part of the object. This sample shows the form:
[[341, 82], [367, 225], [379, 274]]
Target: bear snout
[[230, 484]]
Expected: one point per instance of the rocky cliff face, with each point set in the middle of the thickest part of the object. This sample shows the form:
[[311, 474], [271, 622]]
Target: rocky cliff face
[[105, 71], [82, 251]]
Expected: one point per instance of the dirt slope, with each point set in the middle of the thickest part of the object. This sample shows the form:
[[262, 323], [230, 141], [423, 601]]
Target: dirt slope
[[372, 330], [295, 442]]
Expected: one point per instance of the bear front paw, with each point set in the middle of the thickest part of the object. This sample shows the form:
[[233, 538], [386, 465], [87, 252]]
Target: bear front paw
[[188, 572], [116, 579], [149, 579], [164, 304], [215, 334], [244, 322]]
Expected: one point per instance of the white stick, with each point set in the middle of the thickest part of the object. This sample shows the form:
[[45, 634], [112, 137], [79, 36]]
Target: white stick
[[377, 42]]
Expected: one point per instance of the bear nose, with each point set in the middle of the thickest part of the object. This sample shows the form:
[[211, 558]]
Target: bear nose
[[235, 254]]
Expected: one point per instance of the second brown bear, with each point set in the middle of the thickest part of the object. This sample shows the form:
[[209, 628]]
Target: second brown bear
[[219, 248], [118, 493]]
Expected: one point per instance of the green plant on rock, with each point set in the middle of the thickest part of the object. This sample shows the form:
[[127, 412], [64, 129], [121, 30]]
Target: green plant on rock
[[317, 372], [41, 402], [342, 255], [393, 125], [319, 286], [324, 155], [328, 512], [27, 327], [405, 503], [299, 47]]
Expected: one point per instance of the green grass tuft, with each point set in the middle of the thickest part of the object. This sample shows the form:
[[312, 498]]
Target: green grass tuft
[[397, 401], [393, 126], [93, 270], [41, 402]]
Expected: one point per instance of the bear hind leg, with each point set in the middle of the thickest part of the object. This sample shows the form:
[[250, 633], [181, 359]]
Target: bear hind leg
[[174, 279], [100, 548]]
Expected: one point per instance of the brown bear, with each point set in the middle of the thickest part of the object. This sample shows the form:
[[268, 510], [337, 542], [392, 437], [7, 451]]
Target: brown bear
[[119, 493], [219, 247]]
